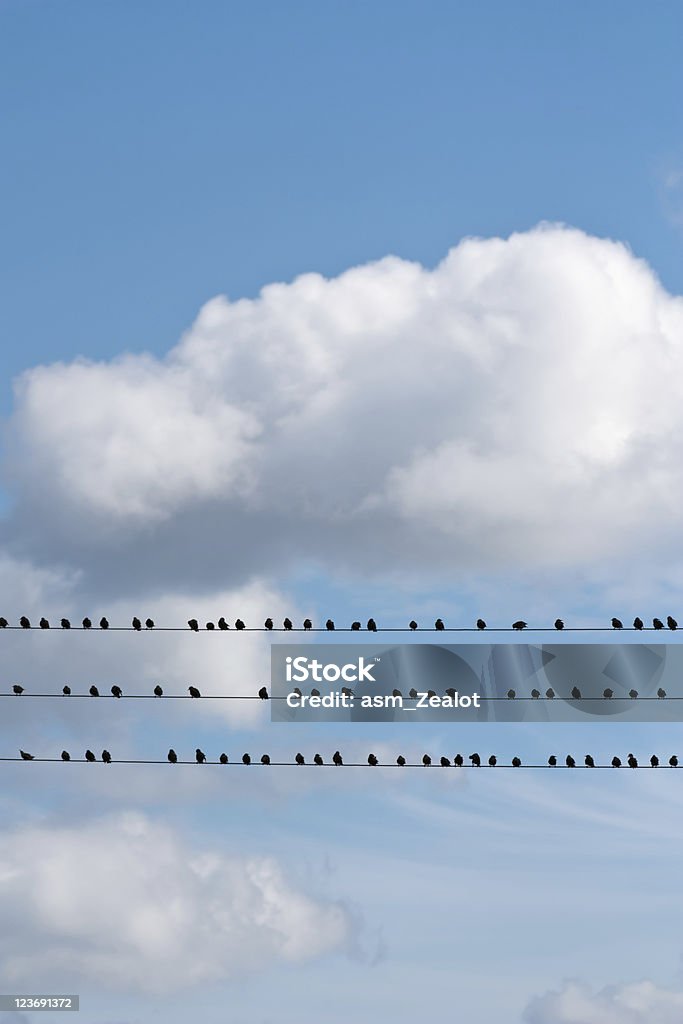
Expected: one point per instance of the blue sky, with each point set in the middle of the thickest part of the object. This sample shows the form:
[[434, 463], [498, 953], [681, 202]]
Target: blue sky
[[335, 309]]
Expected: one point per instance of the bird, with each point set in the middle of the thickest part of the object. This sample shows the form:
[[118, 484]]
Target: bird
[[372, 625], [263, 693], [633, 694], [576, 693], [413, 694], [589, 762], [426, 760], [617, 624], [136, 624], [372, 760], [297, 691], [149, 623], [552, 761], [481, 624], [3, 622], [308, 624], [66, 756], [315, 692], [450, 692], [632, 762], [89, 756], [24, 622], [194, 625], [210, 625], [559, 624], [493, 761], [439, 625], [65, 624], [318, 759], [25, 756], [106, 757], [638, 623], [193, 691], [445, 763], [287, 623], [116, 691], [94, 692], [337, 758], [413, 625], [511, 694], [158, 692], [616, 762], [329, 624], [520, 624], [104, 623], [44, 624], [223, 759], [654, 761], [431, 693], [535, 694], [657, 624], [268, 624], [265, 759], [246, 759], [396, 693], [239, 624], [673, 761], [608, 694], [516, 762], [671, 622], [17, 689], [87, 624], [200, 756], [66, 690], [400, 760], [458, 760], [300, 759], [570, 762], [222, 624], [550, 693], [172, 756], [661, 693], [355, 626], [347, 691], [476, 760]]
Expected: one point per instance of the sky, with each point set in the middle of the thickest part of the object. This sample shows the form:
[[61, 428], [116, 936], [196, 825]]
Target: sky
[[349, 310]]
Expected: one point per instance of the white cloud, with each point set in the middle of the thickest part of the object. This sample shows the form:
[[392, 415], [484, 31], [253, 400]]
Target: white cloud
[[637, 1003], [520, 403], [125, 902]]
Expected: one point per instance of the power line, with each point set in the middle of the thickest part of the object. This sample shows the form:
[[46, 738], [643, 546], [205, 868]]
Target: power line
[[434, 763], [541, 698]]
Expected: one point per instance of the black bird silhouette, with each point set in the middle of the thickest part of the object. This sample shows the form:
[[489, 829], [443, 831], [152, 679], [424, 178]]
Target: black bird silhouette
[[632, 762], [329, 624], [458, 760], [439, 625], [520, 624], [570, 762], [210, 625], [511, 694], [87, 624], [268, 624], [337, 758], [475, 759], [315, 692], [222, 624], [396, 693], [25, 756], [400, 760], [24, 622], [671, 622], [638, 623], [318, 759], [445, 763], [481, 624], [673, 761], [265, 759], [550, 693], [3, 622], [116, 691], [372, 760], [44, 624], [617, 624], [372, 625], [172, 756], [355, 626], [552, 761], [347, 691], [106, 757], [17, 689], [426, 760], [223, 759], [535, 694], [589, 762], [450, 692], [66, 756], [657, 624], [263, 693], [288, 624], [576, 693], [308, 624], [158, 692], [608, 694], [616, 762], [200, 756], [633, 694], [246, 759], [194, 625], [413, 624], [516, 762], [149, 623], [193, 691], [104, 623], [89, 756], [65, 624], [413, 694], [661, 693], [654, 761], [300, 759], [94, 692], [239, 624], [493, 761], [297, 691], [136, 624], [559, 624], [66, 690], [431, 693]]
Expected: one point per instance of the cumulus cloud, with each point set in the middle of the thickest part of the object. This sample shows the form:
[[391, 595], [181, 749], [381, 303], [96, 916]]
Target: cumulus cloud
[[125, 902], [637, 1003]]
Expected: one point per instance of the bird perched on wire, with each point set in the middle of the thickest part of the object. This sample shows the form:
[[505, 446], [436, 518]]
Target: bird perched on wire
[[372, 760], [210, 625], [671, 622], [413, 625], [616, 762], [89, 756], [86, 623], [412, 693], [638, 623], [223, 759], [265, 758], [570, 762], [445, 763], [194, 625], [400, 760], [520, 624], [318, 759], [300, 759], [608, 694], [617, 624], [288, 624], [654, 761], [94, 692], [481, 624], [297, 691], [550, 693], [263, 693], [347, 691], [136, 624], [632, 761], [149, 623], [308, 624], [65, 624], [426, 760], [633, 694], [3, 622], [438, 625], [493, 761], [657, 624], [552, 761], [66, 690], [25, 756], [44, 624], [268, 624], [24, 622], [673, 761], [450, 692], [559, 624], [66, 756], [576, 693], [355, 626], [222, 624], [172, 756], [337, 758], [511, 695], [193, 691], [239, 624], [458, 760], [396, 693], [516, 762], [17, 689], [536, 694], [329, 624], [116, 691], [104, 623], [315, 692], [200, 756], [588, 761], [106, 757], [158, 692], [476, 760], [661, 693], [372, 625], [246, 759]]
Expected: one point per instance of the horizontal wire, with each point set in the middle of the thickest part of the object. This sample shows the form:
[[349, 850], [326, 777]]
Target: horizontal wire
[[406, 698], [328, 764], [344, 629]]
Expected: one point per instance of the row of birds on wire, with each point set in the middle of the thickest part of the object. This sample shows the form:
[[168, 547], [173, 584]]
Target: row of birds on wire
[[337, 759], [194, 692], [288, 625]]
